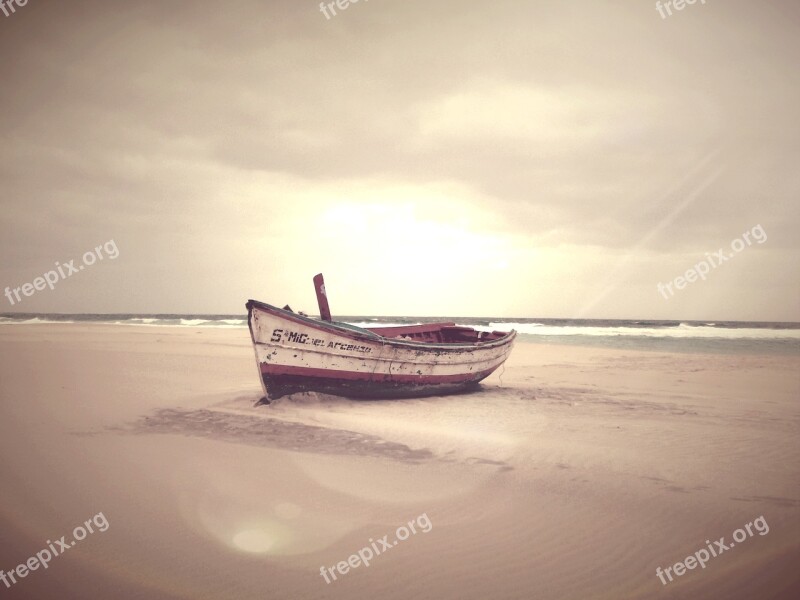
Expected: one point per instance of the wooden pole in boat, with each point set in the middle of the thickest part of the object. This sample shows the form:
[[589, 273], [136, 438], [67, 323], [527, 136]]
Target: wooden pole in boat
[[322, 298]]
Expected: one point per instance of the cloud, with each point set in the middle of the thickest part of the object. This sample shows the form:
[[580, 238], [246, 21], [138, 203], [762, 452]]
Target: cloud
[[575, 139]]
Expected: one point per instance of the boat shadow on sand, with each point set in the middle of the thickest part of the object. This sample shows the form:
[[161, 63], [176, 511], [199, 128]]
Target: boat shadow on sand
[[241, 421], [260, 430]]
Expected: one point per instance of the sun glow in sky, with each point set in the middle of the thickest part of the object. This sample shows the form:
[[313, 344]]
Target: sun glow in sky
[[422, 250]]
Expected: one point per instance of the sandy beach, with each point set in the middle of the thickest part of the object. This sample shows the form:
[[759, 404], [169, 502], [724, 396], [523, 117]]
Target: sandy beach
[[574, 473], [616, 182]]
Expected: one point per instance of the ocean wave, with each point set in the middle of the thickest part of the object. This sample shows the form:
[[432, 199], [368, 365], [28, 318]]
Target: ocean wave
[[33, 321], [128, 322], [684, 330], [562, 328]]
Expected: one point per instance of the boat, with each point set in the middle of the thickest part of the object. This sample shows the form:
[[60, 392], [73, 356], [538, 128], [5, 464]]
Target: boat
[[296, 353]]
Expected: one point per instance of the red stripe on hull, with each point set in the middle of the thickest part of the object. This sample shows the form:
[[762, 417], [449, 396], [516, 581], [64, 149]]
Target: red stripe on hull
[[273, 370]]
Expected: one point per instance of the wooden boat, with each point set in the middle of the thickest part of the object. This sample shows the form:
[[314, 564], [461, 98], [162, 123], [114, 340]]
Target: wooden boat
[[295, 353]]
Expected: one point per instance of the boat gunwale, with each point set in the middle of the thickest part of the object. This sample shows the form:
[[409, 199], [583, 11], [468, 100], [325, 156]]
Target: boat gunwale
[[361, 334]]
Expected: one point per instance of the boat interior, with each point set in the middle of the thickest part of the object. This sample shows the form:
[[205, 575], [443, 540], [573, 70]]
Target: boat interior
[[438, 333]]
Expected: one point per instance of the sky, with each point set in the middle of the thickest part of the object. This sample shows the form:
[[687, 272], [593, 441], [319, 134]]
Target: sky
[[430, 157]]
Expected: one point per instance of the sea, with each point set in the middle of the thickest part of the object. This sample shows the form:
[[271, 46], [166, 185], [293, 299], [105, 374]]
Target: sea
[[725, 337]]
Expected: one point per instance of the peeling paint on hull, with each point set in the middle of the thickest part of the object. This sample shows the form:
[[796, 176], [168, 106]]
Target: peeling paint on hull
[[297, 354]]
